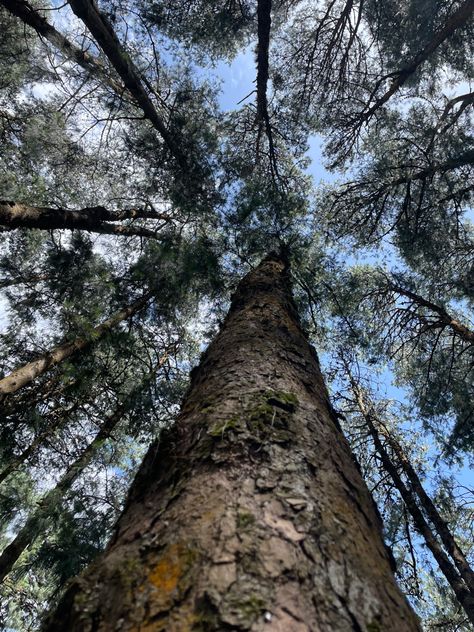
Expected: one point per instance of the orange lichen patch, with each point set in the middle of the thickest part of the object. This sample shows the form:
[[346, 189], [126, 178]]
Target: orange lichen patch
[[167, 573], [170, 578]]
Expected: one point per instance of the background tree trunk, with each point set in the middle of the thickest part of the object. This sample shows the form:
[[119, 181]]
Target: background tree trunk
[[250, 513], [25, 374], [460, 578], [38, 520]]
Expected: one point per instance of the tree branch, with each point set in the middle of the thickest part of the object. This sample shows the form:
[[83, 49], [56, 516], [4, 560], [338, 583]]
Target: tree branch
[[95, 219], [25, 374]]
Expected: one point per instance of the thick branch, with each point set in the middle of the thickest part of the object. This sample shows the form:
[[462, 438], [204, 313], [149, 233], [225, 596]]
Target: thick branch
[[95, 219], [456, 21], [445, 318], [35, 278], [28, 372]]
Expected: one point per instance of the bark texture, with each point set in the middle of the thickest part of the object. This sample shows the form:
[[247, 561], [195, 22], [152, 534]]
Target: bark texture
[[250, 513]]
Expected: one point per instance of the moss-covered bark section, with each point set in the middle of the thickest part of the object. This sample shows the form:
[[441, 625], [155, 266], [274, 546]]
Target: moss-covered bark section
[[250, 513]]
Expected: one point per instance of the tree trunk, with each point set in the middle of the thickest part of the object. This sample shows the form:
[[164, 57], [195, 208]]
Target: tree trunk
[[29, 15], [62, 416], [439, 524], [16, 215], [249, 513], [28, 372], [37, 521], [460, 581], [106, 38]]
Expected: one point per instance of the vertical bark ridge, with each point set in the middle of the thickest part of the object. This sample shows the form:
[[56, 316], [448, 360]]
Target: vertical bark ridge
[[249, 513]]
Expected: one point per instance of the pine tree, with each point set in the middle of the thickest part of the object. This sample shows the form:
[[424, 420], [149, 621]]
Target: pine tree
[[250, 509]]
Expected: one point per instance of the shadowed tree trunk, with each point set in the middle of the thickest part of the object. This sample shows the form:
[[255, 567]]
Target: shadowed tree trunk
[[249, 513], [38, 520]]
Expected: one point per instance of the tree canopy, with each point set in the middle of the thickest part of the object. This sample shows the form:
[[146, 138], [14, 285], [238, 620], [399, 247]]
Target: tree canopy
[[132, 201]]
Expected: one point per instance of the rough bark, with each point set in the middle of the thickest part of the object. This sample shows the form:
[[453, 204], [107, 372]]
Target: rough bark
[[95, 220], [249, 513], [455, 579], [28, 372]]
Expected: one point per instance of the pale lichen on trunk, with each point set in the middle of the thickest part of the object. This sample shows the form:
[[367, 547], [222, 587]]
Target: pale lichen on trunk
[[250, 513]]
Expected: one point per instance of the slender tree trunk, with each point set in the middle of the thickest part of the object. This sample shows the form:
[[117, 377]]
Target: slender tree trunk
[[429, 507], [29, 15], [249, 513], [13, 464], [62, 416], [457, 580], [38, 520], [264, 23], [106, 38], [28, 372]]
